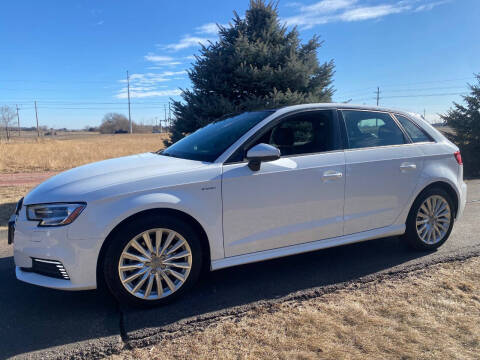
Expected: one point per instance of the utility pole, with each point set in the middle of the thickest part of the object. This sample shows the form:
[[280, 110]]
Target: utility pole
[[128, 92], [169, 114], [165, 113], [36, 116], [378, 94], [18, 120]]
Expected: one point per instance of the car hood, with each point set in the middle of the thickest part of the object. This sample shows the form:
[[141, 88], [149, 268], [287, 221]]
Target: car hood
[[100, 178]]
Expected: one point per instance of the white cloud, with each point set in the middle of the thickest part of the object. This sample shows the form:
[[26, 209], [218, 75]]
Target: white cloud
[[152, 78], [371, 12], [160, 60], [188, 41], [210, 28], [203, 34], [327, 6], [148, 84], [293, 4], [326, 11], [430, 6]]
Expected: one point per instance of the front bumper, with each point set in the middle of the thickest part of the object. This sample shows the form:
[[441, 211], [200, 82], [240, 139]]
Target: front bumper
[[78, 257]]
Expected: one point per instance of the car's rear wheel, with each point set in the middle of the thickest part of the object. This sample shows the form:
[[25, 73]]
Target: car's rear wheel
[[152, 261], [431, 219]]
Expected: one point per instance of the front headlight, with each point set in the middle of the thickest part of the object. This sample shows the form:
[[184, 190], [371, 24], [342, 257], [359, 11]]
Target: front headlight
[[54, 214]]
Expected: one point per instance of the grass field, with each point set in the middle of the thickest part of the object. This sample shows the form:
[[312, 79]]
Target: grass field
[[429, 314], [50, 154], [9, 195]]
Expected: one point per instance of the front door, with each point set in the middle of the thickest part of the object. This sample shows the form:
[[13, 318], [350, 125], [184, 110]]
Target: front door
[[296, 199]]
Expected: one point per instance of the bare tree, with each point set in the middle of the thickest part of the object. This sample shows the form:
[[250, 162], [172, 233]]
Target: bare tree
[[7, 114], [113, 123]]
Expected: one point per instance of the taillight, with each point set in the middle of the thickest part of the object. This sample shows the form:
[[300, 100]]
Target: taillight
[[458, 157]]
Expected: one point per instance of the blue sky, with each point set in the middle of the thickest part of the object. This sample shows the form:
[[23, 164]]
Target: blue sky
[[72, 56]]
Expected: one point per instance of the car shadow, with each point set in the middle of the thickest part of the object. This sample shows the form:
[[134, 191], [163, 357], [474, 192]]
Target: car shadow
[[36, 318], [272, 279]]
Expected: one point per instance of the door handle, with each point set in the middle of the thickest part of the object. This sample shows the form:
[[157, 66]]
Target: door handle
[[332, 175], [408, 166]]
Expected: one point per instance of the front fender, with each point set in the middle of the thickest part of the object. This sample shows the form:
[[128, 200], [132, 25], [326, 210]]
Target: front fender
[[201, 202]]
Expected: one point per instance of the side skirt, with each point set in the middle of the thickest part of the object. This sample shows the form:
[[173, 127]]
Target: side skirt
[[392, 230]]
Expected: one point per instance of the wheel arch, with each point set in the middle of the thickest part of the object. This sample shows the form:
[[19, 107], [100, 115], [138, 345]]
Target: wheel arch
[[444, 185], [149, 212]]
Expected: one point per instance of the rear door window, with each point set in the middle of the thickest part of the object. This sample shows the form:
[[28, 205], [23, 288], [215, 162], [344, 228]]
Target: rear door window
[[370, 129]]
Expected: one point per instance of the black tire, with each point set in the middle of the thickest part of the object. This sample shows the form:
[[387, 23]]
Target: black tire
[[130, 230], [411, 235]]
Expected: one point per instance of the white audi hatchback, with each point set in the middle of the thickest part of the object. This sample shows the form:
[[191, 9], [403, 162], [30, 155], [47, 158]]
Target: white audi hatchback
[[252, 187]]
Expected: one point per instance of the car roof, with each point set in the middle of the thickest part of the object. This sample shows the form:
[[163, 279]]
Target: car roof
[[415, 116], [290, 108]]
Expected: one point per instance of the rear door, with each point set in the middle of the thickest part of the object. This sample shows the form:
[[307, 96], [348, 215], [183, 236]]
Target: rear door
[[296, 199], [382, 169]]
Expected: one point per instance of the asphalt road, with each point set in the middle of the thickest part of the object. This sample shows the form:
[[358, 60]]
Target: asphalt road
[[43, 323]]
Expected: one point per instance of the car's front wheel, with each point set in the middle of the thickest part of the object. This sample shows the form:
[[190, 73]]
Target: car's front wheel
[[430, 220], [152, 261]]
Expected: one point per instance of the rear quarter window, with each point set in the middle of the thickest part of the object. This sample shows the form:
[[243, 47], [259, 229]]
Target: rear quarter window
[[415, 133]]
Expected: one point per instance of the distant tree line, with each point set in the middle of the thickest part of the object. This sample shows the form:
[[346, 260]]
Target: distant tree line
[[115, 123]]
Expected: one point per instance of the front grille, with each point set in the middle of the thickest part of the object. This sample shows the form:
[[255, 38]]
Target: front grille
[[50, 268]]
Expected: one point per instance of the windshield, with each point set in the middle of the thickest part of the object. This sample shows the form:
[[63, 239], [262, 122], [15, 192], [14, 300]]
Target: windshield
[[209, 142]]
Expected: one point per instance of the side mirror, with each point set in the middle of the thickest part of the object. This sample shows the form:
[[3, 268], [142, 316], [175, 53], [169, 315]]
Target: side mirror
[[261, 153]]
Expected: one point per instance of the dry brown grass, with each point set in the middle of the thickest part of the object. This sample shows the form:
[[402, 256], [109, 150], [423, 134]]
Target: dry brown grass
[[53, 154], [427, 315], [9, 195]]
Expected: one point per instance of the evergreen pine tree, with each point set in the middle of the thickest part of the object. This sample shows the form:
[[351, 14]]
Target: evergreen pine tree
[[256, 64], [465, 120]]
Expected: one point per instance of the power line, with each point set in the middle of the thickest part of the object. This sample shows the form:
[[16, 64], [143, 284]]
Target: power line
[[422, 95], [359, 93], [360, 90], [427, 89], [92, 108], [56, 81], [428, 82]]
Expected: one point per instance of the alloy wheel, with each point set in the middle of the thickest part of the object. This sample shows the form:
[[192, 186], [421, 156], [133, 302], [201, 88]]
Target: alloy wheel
[[155, 264], [433, 219]]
